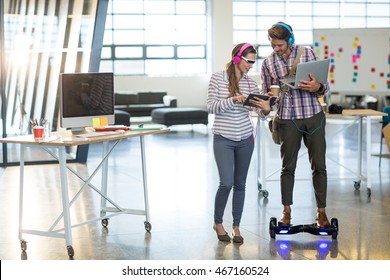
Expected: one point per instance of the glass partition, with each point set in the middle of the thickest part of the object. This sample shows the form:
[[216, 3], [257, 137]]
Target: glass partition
[[40, 40]]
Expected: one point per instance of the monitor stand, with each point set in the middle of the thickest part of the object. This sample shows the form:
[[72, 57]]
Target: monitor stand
[[78, 130]]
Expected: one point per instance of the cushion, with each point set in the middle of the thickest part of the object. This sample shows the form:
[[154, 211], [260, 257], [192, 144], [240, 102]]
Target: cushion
[[126, 99], [180, 115], [122, 117], [151, 97]]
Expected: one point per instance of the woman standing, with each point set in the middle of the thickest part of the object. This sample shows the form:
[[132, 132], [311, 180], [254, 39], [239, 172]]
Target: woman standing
[[233, 133]]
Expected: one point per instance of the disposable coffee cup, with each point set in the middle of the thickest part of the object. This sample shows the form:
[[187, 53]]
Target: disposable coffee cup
[[275, 89], [324, 107], [38, 132]]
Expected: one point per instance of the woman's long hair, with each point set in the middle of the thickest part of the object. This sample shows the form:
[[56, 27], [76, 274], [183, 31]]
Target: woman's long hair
[[230, 69]]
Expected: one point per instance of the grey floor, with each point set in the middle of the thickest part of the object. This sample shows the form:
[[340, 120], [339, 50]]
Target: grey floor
[[182, 181]]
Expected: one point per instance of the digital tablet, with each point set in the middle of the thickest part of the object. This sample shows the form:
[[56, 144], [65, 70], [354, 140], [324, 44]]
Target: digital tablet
[[264, 97]]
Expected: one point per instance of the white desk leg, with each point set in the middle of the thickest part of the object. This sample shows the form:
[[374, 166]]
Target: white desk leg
[[65, 200], [263, 165], [368, 149], [103, 201], [148, 226], [360, 147], [262, 170], [259, 163], [21, 182]]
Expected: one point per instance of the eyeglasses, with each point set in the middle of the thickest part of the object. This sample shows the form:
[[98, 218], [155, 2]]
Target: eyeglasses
[[250, 61]]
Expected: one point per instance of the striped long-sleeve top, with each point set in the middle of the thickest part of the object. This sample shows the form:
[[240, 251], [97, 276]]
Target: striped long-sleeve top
[[231, 120]]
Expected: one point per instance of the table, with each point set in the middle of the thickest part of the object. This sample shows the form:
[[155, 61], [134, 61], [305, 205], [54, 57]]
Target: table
[[358, 115], [55, 145], [382, 97]]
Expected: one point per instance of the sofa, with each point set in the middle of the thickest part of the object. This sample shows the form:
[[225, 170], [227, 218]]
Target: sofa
[[143, 103]]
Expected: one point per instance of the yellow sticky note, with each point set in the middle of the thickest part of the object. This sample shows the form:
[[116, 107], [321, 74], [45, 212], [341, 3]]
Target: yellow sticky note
[[95, 122], [103, 121]]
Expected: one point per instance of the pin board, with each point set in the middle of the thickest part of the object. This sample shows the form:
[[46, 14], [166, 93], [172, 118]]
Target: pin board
[[359, 58]]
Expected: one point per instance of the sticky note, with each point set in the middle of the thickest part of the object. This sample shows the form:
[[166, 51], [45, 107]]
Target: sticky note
[[103, 121], [95, 122]]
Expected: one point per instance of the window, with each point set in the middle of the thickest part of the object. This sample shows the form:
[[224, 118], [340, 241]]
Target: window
[[162, 37], [41, 40], [252, 18]]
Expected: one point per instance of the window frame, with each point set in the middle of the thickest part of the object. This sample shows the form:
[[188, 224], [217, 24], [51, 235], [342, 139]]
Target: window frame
[[111, 60]]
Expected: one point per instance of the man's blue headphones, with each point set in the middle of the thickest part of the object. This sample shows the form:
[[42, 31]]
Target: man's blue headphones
[[290, 40]]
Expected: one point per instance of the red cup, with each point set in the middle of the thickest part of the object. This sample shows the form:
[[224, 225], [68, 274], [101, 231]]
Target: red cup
[[38, 132]]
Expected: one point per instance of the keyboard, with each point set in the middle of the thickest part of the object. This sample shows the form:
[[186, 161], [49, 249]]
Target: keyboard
[[97, 134]]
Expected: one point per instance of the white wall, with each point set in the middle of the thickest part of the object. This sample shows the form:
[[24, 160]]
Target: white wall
[[191, 91]]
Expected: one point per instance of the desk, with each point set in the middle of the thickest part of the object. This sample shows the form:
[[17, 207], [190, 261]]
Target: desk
[[55, 146], [358, 116], [382, 97]]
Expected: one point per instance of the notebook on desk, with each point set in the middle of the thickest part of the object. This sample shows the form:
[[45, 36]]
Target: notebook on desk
[[318, 68], [146, 127]]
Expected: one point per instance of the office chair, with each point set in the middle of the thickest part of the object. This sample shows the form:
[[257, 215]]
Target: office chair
[[385, 121]]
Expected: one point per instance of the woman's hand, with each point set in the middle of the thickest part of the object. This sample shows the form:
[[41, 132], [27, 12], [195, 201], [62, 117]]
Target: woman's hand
[[264, 105], [239, 99]]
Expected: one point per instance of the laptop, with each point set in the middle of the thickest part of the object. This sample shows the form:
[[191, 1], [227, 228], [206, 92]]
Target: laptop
[[318, 68]]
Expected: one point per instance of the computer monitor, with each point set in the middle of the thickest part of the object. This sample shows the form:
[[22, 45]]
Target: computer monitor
[[85, 96]]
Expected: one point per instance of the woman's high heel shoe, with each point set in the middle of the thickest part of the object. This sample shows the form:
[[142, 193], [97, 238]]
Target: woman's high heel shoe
[[224, 237], [237, 238]]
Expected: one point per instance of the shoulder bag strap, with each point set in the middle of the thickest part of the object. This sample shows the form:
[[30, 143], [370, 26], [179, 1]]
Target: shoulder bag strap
[[290, 74]]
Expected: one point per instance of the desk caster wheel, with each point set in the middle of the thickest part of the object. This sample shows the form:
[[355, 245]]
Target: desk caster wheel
[[356, 184], [23, 245], [70, 251], [272, 226], [334, 224], [105, 222], [148, 226], [261, 191]]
